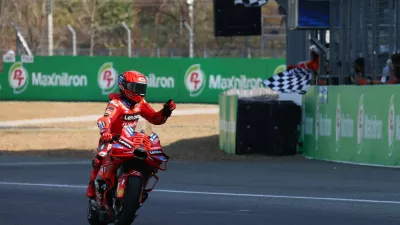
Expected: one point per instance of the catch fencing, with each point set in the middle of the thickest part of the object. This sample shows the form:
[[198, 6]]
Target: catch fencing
[[155, 28], [363, 28]]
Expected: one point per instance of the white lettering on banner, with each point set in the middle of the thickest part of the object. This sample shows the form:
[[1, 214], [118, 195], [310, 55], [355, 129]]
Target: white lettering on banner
[[398, 127], [160, 82], [372, 128], [347, 126], [317, 118], [64, 79], [360, 124], [242, 82], [325, 125], [309, 125]]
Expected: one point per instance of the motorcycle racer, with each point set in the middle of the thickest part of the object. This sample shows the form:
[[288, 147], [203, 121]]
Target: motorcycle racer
[[124, 110]]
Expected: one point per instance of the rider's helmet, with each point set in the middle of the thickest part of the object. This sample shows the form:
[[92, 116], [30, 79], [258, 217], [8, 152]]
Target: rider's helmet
[[132, 85]]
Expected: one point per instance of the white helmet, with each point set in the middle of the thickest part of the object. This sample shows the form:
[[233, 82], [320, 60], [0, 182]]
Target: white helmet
[[314, 49]]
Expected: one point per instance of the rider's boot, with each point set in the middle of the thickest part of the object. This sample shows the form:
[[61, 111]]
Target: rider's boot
[[91, 190]]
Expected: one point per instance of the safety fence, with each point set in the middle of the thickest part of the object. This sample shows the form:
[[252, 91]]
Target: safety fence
[[352, 124], [363, 28], [140, 28], [82, 78]]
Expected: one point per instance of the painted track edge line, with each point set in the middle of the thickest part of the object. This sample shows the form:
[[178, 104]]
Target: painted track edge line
[[352, 163], [216, 193], [279, 196]]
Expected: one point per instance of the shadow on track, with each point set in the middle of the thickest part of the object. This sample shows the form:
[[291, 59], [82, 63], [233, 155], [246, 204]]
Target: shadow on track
[[197, 149]]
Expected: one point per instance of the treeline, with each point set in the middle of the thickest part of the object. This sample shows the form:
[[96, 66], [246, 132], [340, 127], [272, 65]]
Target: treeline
[[155, 24]]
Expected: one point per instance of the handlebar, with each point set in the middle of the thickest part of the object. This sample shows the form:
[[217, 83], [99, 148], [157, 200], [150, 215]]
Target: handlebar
[[115, 138]]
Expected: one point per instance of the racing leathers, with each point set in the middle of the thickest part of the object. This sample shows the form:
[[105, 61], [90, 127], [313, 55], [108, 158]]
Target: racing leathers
[[119, 113]]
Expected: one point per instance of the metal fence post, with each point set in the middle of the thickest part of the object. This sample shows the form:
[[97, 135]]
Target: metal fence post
[[332, 63], [128, 31], [375, 42], [364, 33], [191, 32], [341, 42], [50, 25], [72, 30], [355, 20], [190, 39], [391, 23], [397, 9]]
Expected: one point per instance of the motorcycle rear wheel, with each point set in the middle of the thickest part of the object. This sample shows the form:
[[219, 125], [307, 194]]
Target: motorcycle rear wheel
[[130, 201]]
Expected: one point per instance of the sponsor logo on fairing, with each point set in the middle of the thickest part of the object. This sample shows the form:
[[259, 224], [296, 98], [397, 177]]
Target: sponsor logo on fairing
[[125, 143], [154, 152]]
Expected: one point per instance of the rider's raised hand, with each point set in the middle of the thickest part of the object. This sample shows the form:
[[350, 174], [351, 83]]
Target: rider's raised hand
[[169, 106]]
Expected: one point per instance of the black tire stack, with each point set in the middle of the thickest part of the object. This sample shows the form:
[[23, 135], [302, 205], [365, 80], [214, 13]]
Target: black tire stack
[[267, 127]]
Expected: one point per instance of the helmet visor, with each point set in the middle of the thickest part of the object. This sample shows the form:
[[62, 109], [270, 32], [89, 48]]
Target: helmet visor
[[138, 88]]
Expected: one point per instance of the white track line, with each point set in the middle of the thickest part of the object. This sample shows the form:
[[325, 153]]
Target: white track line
[[217, 193], [90, 118], [353, 163]]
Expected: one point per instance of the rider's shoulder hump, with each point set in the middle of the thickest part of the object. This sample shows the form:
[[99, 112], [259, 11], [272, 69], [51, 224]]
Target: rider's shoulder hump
[[114, 96]]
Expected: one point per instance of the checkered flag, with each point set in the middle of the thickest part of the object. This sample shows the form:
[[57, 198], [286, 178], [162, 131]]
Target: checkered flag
[[296, 80], [251, 3]]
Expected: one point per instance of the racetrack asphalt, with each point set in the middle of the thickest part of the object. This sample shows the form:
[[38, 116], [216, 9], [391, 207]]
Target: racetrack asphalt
[[280, 192]]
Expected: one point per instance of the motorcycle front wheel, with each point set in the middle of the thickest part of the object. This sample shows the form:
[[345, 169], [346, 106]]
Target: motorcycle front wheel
[[92, 214], [130, 202]]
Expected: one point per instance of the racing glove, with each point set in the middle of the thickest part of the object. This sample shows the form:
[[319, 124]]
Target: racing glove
[[169, 106], [103, 124], [105, 135]]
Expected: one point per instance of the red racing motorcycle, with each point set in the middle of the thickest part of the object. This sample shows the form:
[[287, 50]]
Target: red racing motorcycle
[[126, 177]]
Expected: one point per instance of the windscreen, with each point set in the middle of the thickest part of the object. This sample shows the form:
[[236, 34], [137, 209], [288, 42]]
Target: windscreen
[[144, 125]]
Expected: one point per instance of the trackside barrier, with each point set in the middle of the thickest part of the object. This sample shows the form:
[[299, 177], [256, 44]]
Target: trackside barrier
[[82, 78], [230, 137], [356, 124]]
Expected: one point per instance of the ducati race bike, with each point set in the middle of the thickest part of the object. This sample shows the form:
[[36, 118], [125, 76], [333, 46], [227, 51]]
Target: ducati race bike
[[127, 175]]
